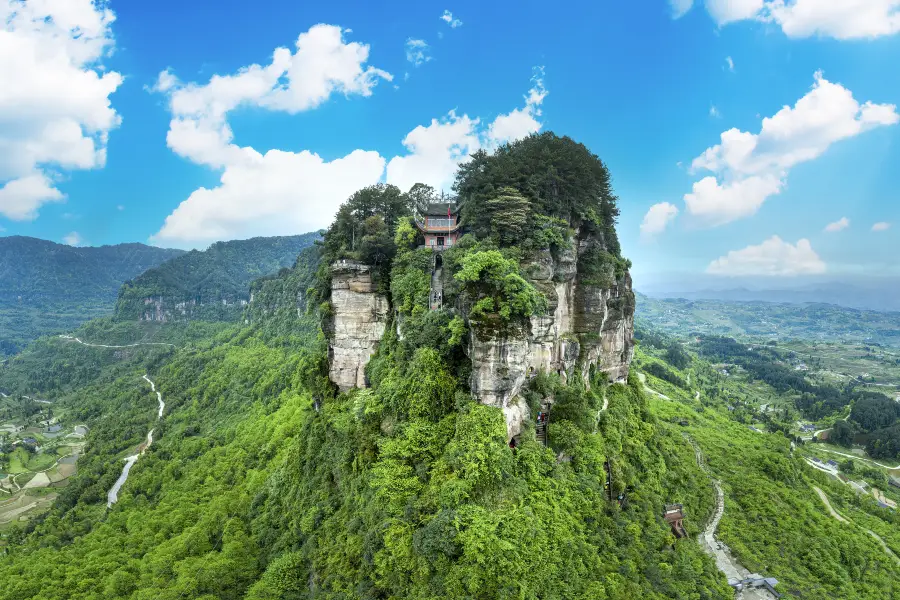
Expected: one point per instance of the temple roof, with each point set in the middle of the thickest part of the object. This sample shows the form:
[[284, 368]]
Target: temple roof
[[439, 209]]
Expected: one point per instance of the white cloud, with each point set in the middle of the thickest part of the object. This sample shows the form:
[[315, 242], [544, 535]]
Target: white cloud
[[750, 167], [447, 17], [730, 62], [417, 51], [434, 152], [714, 112], [276, 192], [658, 218], [521, 122], [839, 225], [680, 7], [55, 112], [839, 19], [726, 11], [72, 239], [881, 226], [773, 257]]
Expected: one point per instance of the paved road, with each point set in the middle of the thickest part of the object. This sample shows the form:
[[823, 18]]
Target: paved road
[[75, 339], [827, 504], [643, 379], [837, 516], [861, 458], [112, 496]]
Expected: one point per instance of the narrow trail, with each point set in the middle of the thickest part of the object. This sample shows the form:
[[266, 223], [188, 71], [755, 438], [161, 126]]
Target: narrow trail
[[113, 495], [841, 519], [75, 339]]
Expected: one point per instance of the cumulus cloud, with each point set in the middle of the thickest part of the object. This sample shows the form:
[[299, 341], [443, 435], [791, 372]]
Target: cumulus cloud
[[434, 152], [72, 239], [658, 218], [749, 167], [274, 192], [417, 51], [774, 257], [277, 192], [447, 17], [521, 122], [730, 62], [882, 226], [839, 19], [839, 225], [680, 7], [55, 111]]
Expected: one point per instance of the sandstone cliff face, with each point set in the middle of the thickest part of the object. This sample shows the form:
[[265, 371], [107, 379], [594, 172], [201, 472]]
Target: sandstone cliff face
[[587, 326], [166, 310], [360, 318]]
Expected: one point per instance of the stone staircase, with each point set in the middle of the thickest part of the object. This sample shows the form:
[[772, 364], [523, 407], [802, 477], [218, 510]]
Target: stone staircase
[[540, 431], [436, 297]]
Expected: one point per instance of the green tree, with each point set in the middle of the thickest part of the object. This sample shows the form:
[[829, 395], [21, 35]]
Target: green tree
[[495, 286]]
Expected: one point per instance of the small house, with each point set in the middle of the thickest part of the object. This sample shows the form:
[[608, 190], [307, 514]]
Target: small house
[[439, 223]]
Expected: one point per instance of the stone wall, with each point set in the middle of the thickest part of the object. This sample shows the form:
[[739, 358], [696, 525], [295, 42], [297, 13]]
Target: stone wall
[[360, 317]]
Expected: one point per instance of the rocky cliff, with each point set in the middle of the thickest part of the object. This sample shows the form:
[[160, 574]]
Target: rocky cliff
[[589, 327], [359, 321]]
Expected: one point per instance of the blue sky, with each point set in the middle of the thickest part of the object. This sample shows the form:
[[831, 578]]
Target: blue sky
[[111, 151]]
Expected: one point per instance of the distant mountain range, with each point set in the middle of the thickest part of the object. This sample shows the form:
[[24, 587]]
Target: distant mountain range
[[769, 320], [209, 285], [871, 293], [47, 287]]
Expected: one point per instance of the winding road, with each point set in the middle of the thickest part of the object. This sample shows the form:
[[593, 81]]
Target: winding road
[[75, 339], [862, 458], [113, 495], [841, 519], [725, 561]]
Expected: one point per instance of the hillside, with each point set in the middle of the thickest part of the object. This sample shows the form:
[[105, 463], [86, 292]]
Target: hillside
[[771, 320], [211, 284], [49, 288], [395, 419]]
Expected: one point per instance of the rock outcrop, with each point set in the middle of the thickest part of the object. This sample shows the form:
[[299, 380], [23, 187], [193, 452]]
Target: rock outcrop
[[588, 328], [360, 318]]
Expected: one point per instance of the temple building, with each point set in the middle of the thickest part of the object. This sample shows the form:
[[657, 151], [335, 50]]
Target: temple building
[[440, 224]]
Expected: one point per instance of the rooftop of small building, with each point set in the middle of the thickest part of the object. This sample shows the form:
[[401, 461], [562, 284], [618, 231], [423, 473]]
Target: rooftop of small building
[[439, 209]]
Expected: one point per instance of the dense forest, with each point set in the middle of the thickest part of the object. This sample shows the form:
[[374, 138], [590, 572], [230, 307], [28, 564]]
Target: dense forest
[[52, 288], [214, 282], [264, 482]]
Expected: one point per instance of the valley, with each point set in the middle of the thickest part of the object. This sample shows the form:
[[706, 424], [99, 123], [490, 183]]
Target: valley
[[330, 430]]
